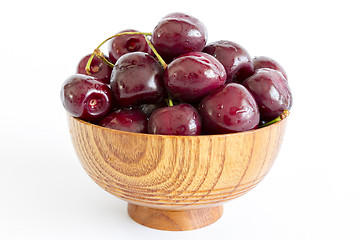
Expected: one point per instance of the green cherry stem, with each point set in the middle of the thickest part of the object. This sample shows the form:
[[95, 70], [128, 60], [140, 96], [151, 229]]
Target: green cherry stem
[[100, 55], [283, 115], [161, 60], [169, 101]]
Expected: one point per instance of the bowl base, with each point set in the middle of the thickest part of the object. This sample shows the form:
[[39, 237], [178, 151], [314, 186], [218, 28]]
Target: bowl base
[[174, 220]]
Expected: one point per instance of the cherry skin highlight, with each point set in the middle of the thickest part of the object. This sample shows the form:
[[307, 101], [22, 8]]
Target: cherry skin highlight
[[137, 79], [266, 62], [182, 119], [98, 69], [123, 44], [129, 120], [231, 108], [177, 34], [86, 98], [233, 57], [192, 76], [271, 92]]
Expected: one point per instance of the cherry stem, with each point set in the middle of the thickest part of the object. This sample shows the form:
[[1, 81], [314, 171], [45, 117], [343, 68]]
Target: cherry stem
[[161, 60], [100, 55], [283, 115], [169, 101]]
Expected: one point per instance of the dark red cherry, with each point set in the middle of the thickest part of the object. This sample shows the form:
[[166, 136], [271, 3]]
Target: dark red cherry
[[100, 70], [193, 75], [271, 92], [231, 108], [123, 44], [137, 79], [86, 98], [233, 57], [177, 34], [182, 119], [266, 62], [129, 120]]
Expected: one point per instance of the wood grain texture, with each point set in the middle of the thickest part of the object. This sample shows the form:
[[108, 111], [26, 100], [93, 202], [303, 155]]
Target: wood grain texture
[[174, 220], [176, 173]]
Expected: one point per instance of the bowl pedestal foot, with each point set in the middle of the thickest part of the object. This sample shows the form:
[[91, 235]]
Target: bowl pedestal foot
[[174, 220]]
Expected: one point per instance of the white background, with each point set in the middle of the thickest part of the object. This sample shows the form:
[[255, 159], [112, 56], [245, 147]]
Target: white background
[[312, 191]]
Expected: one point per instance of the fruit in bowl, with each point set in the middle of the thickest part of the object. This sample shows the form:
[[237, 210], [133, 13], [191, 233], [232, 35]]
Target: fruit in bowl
[[180, 130]]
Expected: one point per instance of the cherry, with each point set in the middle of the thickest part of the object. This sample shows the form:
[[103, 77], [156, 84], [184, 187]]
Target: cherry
[[193, 75], [182, 119], [85, 97], [123, 44], [98, 69], [271, 92], [231, 108], [177, 34], [233, 57], [231, 91], [137, 79], [266, 62], [129, 120]]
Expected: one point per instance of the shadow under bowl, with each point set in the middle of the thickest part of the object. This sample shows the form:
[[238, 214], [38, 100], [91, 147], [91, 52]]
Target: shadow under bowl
[[175, 183]]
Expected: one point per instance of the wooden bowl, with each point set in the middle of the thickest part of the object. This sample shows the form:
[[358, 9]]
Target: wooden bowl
[[175, 182]]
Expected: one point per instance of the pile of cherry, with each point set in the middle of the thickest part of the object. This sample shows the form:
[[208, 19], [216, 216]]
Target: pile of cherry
[[172, 82]]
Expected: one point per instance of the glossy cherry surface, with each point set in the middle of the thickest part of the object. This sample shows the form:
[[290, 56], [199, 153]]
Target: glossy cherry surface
[[137, 79], [271, 92], [182, 119], [177, 34], [193, 75], [129, 120], [123, 44], [100, 70], [233, 57], [266, 62], [85, 97], [231, 108]]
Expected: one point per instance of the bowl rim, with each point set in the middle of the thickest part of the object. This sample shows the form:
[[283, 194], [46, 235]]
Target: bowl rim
[[179, 136]]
